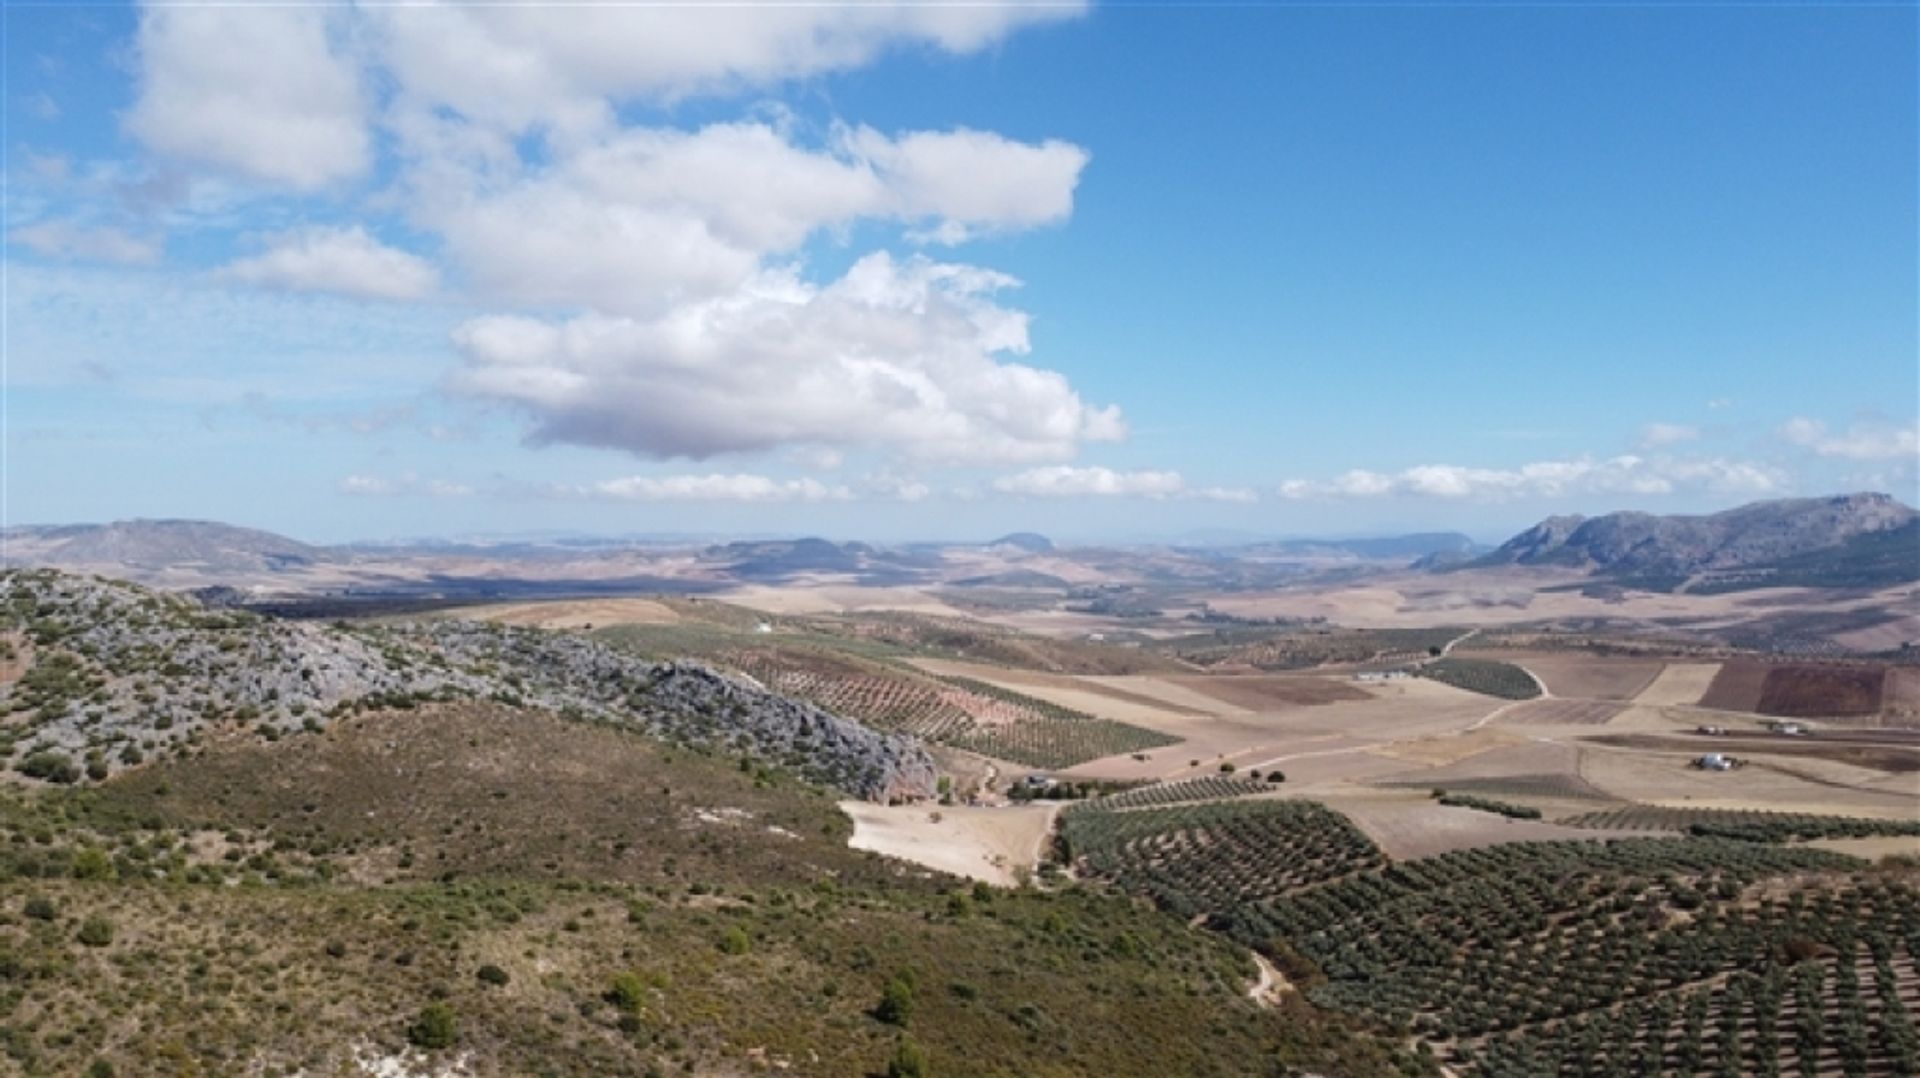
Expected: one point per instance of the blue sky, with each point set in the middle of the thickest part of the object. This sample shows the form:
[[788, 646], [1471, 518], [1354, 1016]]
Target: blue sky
[[879, 272]]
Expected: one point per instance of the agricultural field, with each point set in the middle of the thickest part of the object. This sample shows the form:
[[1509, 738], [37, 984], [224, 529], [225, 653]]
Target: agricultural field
[[1618, 957], [1159, 794], [1485, 676], [1754, 826], [1798, 690], [1299, 649], [1562, 712], [1214, 859], [1581, 675]]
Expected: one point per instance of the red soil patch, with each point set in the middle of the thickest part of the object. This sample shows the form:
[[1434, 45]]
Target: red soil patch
[[1736, 687], [1813, 691]]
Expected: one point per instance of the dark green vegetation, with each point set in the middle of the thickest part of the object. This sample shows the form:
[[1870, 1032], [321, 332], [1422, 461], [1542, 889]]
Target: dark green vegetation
[[550, 897], [1487, 676], [1208, 788], [1747, 826], [1716, 954], [1506, 956], [1487, 804], [1221, 860], [1302, 648]]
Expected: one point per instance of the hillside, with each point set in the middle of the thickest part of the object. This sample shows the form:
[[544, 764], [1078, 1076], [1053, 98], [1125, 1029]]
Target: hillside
[[236, 845], [162, 544], [119, 673], [1858, 540]]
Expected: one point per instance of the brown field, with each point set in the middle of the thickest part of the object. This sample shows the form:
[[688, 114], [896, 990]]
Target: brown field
[[1409, 824], [1534, 769], [1562, 712], [1591, 677], [1679, 684], [1808, 785], [1814, 691], [1256, 692], [1874, 848], [1736, 687], [1894, 759], [1901, 696]]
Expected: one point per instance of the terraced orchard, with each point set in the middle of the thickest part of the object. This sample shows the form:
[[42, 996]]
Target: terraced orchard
[[1484, 676], [1623, 957], [1750, 826], [1205, 788], [966, 714], [1218, 859]]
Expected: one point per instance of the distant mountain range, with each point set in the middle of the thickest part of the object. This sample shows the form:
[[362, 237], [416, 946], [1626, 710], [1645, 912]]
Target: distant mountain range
[[1852, 540], [162, 544]]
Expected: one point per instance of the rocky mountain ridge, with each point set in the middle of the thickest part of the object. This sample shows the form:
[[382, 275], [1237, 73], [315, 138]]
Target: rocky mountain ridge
[[1789, 541], [104, 674]]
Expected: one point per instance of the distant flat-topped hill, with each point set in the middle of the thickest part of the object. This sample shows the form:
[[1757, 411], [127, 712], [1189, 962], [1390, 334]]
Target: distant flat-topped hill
[[162, 544], [1852, 540]]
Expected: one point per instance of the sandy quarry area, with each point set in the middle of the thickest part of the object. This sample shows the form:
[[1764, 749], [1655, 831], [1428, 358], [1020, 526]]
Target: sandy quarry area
[[992, 843]]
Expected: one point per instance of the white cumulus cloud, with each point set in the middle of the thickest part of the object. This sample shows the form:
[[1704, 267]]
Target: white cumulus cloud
[[515, 67], [1626, 474], [904, 356], [266, 92], [348, 261]]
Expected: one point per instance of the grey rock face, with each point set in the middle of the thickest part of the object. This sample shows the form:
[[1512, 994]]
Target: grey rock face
[[1751, 535], [121, 673]]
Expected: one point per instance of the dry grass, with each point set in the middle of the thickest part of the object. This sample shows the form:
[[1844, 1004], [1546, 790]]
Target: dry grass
[[1256, 692], [1587, 677], [1679, 684]]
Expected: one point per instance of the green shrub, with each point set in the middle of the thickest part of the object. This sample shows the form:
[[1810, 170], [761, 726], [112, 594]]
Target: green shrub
[[735, 941], [435, 1028], [896, 1003], [909, 1060], [628, 992], [493, 975], [96, 932], [41, 908], [50, 767]]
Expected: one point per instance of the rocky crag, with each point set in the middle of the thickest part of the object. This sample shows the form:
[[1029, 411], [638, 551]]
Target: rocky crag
[[97, 675]]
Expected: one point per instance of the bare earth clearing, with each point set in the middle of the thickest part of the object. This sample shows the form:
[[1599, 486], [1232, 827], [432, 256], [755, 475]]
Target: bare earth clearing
[[981, 842]]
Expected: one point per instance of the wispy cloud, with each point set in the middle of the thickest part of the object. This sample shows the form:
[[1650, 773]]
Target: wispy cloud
[[85, 243], [716, 487], [348, 261], [1865, 440], [1655, 435], [1548, 479], [1068, 481], [408, 485]]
